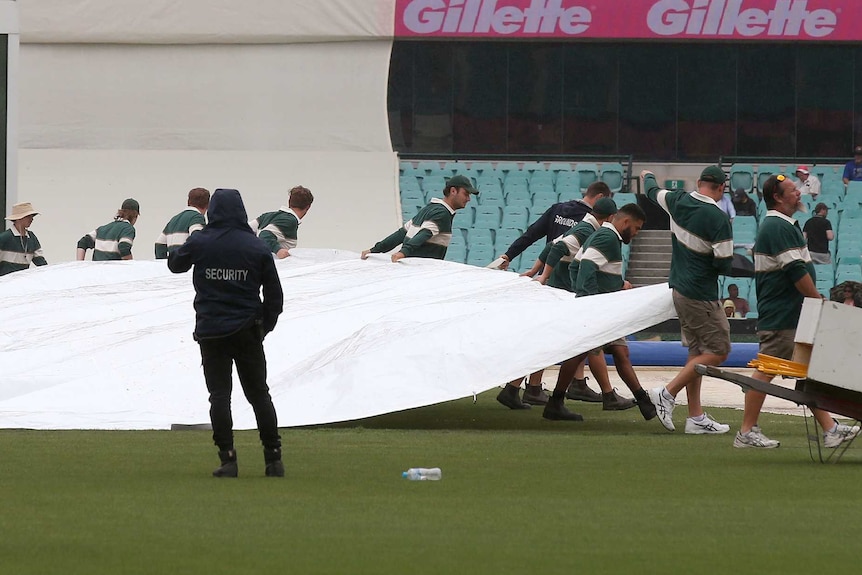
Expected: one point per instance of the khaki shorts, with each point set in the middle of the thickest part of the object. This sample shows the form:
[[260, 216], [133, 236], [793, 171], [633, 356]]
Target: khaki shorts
[[703, 325], [777, 343], [607, 347]]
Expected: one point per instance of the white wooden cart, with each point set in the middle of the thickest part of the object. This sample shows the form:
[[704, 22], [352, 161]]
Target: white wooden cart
[[827, 365]]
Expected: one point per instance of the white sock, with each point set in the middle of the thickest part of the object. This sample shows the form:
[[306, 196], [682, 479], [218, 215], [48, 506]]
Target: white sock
[[699, 418], [834, 429], [666, 395]]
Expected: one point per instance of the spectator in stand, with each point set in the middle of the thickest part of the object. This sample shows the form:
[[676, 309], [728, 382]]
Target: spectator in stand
[[818, 232], [740, 304], [806, 183], [730, 309], [853, 168], [743, 204], [726, 205], [850, 297]]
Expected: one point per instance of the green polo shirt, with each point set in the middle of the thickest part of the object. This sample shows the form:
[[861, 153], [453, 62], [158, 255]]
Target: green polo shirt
[[17, 251], [178, 230], [112, 241], [600, 262], [781, 258], [702, 241], [427, 235], [562, 251]]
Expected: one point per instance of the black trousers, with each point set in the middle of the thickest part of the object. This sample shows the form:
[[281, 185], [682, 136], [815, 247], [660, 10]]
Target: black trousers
[[244, 348]]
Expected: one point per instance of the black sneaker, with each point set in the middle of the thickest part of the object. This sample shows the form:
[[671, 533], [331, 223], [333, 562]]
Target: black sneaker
[[613, 402], [535, 395], [509, 396], [645, 405], [228, 467], [275, 469], [556, 410], [579, 391]]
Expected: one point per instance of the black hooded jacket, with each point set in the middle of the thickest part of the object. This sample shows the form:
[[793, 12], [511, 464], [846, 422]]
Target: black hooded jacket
[[231, 265]]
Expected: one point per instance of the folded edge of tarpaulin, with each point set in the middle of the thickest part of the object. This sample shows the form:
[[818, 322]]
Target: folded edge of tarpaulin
[[108, 346]]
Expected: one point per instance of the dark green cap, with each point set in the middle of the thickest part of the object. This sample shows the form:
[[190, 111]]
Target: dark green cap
[[131, 204], [462, 182], [713, 174], [605, 207]]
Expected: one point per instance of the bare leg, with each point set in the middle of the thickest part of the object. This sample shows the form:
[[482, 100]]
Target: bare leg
[[753, 403], [688, 378], [579, 373], [599, 369], [535, 379], [624, 367], [567, 372]]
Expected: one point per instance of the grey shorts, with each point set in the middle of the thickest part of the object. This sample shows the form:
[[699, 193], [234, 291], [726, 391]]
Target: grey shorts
[[819, 258], [777, 343], [703, 325]]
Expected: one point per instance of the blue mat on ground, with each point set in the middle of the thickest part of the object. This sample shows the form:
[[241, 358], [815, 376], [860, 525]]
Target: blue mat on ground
[[673, 354]]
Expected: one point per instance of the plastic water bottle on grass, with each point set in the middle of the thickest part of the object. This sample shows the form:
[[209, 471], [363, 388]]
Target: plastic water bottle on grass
[[423, 474]]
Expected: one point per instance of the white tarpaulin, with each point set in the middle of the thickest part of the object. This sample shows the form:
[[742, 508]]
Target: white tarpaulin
[[108, 345]]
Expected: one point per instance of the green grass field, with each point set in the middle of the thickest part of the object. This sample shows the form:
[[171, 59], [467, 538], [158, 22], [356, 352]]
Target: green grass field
[[519, 494]]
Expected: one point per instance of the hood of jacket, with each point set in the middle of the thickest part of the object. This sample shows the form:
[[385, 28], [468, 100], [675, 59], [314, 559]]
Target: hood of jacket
[[226, 210]]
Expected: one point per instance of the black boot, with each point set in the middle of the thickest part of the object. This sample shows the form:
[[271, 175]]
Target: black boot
[[557, 411], [535, 395], [644, 404], [509, 397], [228, 466], [274, 466], [579, 391], [613, 402]]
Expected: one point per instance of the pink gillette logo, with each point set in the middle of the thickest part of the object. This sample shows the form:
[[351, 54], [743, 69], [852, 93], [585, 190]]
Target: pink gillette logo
[[787, 18], [485, 17]]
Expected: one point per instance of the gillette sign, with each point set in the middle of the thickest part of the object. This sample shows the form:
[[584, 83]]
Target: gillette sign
[[486, 17], [786, 20]]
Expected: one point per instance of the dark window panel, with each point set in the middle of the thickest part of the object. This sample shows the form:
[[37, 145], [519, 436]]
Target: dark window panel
[[707, 103], [432, 97], [767, 101], [590, 99], [480, 98], [824, 117], [399, 100], [535, 98], [648, 101], [857, 99]]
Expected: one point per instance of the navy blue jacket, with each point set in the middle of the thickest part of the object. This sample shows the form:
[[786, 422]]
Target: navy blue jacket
[[556, 221], [231, 265]]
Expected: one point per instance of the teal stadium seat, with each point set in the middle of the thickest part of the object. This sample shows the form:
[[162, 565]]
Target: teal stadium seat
[[543, 200], [519, 197], [489, 184], [532, 167], [613, 174], [456, 254], [742, 176], [487, 217], [588, 173], [479, 237], [412, 195], [540, 186], [431, 168], [433, 184], [567, 194], [408, 182], [508, 167], [408, 210], [480, 255], [482, 168], [505, 237], [557, 167], [457, 168], [570, 179], [528, 258], [541, 178], [515, 217], [491, 197], [463, 218]]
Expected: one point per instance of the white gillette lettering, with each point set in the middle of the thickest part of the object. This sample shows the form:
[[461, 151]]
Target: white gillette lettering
[[788, 18], [541, 17]]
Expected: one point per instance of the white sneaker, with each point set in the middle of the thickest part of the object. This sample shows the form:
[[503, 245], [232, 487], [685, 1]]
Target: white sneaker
[[754, 439], [705, 426], [663, 406], [841, 434]]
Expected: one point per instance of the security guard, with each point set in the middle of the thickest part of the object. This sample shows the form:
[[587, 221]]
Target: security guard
[[231, 265]]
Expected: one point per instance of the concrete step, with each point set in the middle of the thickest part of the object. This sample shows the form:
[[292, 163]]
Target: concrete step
[[657, 257], [639, 281], [646, 272]]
